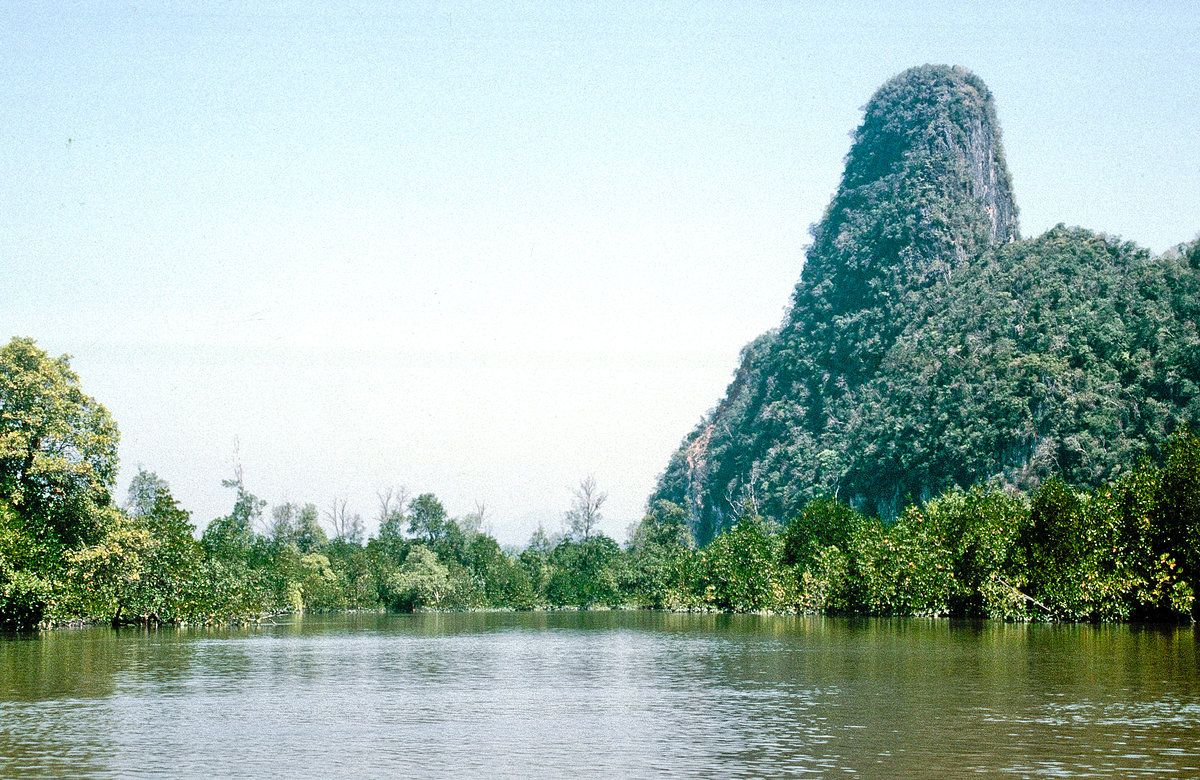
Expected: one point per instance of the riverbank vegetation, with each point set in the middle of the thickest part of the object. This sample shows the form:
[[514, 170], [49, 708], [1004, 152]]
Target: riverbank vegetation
[[1127, 550]]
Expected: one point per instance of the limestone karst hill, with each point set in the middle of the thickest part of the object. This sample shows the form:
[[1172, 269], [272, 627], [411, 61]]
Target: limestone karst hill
[[928, 345]]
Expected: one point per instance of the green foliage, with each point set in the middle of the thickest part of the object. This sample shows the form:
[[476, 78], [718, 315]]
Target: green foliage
[[902, 569], [58, 460], [357, 572], [500, 580], [391, 544], [25, 591], [662, 571], [821, 523], [740, 569], [927, 347], [824, 587], [1064, 554], [299, 525], [147, 566], [432, 527], [321, 587], [1178, 511], [169, 587], [535, 561], [1069, 560], [421, 582], [232, 537], [58, 447], [1127, 548], [427, 519], [1118, 552], [104, 577], [233, 591], [978, 528], [585, 573], [1047, 357]]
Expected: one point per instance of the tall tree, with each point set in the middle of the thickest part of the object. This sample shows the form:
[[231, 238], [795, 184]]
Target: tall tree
[[58, 446], [393, 520], [347, 526], [583, 518], [232, 537], [58, 461], [427, 519]]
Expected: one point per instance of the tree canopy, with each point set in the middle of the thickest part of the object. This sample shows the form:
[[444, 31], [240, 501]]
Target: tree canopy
[[58, 446]]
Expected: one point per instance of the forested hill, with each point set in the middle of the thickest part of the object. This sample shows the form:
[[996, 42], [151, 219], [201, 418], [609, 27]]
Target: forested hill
[[927, 345]]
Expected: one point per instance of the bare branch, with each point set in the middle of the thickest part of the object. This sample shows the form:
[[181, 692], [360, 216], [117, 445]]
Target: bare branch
[[584, 515]]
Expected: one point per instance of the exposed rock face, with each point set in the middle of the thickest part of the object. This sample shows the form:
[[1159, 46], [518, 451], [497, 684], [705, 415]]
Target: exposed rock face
[[928, 346]]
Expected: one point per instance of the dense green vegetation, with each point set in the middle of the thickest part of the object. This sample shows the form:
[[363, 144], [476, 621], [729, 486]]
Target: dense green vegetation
[[928, 347], [951, 421], [1129, 549]]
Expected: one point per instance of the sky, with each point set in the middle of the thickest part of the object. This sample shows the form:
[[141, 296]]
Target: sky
[[486, 250]]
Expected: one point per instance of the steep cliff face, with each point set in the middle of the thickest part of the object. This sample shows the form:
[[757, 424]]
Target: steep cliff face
[[924, 199]]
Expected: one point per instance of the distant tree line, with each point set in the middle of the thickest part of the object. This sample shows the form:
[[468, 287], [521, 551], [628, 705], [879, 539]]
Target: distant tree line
[[1127, 550]]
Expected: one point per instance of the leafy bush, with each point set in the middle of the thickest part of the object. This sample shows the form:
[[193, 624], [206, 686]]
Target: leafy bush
[[420, 582], [740, 569], [586, 573], [1178, 512]]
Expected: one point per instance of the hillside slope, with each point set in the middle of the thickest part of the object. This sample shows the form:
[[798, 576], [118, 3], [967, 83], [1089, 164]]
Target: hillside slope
[[928, 345]]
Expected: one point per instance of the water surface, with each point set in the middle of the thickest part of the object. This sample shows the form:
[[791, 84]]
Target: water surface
[[605, 694]]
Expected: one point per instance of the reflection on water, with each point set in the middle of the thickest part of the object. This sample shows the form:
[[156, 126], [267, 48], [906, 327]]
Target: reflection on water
[[602, 694]]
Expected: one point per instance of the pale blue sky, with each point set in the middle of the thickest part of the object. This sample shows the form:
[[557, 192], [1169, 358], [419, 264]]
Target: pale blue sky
[[485, 250]]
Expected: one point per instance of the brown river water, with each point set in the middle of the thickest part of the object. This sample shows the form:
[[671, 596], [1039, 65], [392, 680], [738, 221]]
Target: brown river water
[[602, 694]]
